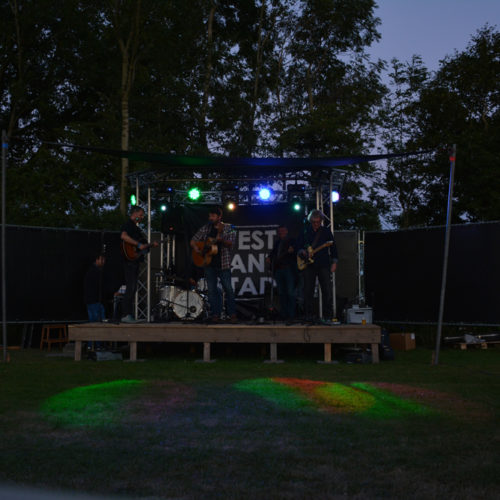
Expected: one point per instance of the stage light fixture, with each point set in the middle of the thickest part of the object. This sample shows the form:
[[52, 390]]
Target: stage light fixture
[[163, 208], [194, 194], [230, 196], [335, 196], [265, 194], [296, 196]]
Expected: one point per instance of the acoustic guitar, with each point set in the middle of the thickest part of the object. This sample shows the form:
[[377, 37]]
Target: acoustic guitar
[[132, 253], [208, 249], [303, 263]]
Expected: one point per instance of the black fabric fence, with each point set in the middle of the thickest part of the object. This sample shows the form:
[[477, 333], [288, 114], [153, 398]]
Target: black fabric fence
[[403, 274], [46, 269]]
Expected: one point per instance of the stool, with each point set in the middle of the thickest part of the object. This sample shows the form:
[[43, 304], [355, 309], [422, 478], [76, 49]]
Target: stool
[[61, 338]]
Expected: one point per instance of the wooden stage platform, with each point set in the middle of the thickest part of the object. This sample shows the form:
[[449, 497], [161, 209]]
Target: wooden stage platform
[[272, 334]]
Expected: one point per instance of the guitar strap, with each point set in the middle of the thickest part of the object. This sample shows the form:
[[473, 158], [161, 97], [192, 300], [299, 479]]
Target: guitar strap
[[316, 238]]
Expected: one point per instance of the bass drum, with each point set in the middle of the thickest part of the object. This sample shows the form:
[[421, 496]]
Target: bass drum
[[188, 305]]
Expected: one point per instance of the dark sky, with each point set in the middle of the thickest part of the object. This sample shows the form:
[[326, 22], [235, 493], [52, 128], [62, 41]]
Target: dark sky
[[430, 28]]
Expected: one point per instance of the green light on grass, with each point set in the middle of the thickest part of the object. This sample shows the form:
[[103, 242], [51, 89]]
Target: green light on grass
[[91, 405], [390, 405], [274, 392], [355, 398]]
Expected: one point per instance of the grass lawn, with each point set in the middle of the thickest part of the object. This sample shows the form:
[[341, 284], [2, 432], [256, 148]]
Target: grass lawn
[[239, 428]]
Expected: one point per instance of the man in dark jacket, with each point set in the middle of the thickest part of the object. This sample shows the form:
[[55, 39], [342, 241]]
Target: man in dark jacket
[[132, 235], [320, 263], [283, 263], [93, 290]]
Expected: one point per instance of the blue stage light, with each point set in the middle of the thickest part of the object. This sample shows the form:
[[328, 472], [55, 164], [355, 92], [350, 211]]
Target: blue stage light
[[264, 194], [335, 196]]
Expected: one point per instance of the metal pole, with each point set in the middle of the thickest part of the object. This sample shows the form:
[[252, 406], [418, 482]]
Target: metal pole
[[319, 206], [137, 202], [446, 252], [334, 287], [148, 262], [4, 277]]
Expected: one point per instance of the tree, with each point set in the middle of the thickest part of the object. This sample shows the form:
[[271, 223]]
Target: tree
[[404, 182], [461, 105]]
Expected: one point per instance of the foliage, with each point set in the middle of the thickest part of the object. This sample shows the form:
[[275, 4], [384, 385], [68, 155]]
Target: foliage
[[241, 78], [457, 105], [233, 78]]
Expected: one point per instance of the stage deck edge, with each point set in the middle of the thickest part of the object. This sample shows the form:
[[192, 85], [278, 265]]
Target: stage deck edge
[[239, 333]]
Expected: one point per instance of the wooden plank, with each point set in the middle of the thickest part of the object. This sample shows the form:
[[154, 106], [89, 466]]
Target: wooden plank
[[206, 352], [78, 350], [273, 352], [133, 351], [375, 356], [328, 353], [169, 332]]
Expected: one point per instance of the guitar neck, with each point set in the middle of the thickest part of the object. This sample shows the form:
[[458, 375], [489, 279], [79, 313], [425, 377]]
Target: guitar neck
[[324, 245]]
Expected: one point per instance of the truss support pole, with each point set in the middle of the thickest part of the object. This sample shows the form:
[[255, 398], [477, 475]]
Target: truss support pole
[[319, 206], [138, 201], [453, 155]]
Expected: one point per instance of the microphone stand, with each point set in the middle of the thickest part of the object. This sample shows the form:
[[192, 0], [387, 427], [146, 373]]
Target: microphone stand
[[272, 312]]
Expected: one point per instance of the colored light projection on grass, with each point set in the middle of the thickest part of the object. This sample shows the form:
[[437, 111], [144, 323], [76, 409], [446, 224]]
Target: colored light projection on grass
[[354, 398], [91, 405]]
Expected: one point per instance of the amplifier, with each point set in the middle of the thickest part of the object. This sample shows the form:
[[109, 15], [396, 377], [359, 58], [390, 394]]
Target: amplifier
[[358, 315]]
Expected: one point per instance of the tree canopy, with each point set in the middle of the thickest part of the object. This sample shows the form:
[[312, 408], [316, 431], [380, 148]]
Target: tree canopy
[[236, 78]]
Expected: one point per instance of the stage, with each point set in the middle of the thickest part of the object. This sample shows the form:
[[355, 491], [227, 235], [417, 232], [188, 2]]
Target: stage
[[270, 333]]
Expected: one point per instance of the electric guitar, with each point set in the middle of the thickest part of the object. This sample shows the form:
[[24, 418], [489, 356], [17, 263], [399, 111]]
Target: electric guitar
[[303, 263]]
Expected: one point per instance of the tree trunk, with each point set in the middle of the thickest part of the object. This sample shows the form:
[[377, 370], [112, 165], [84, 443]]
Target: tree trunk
[[129, 49], [208, 75]]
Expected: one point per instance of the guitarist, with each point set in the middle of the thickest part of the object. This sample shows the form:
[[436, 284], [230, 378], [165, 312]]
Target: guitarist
[[324, 263], [134, 237], [224, 237], [283, 263]]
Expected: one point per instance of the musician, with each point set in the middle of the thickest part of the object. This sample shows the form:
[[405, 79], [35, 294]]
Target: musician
[[220, 265], [93, 292], [325, 262], [283, 263], [132, 234]]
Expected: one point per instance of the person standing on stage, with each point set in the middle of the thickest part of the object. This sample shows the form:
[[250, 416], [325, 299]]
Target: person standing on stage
[[93, 293], [219, 267], [93, 290], [283, 263], [134, 237], [324, 263]]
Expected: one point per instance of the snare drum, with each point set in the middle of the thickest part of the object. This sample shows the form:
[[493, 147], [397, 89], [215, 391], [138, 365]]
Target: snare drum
[[187, 305], [202, 285], [168, 294]]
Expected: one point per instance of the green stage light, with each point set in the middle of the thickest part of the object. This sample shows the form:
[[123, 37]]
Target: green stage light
[[296, 207], [163, 208], [194, 194], [133, 200]]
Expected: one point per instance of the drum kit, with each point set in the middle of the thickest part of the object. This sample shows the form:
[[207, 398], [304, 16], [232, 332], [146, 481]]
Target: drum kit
[[176, 301]]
